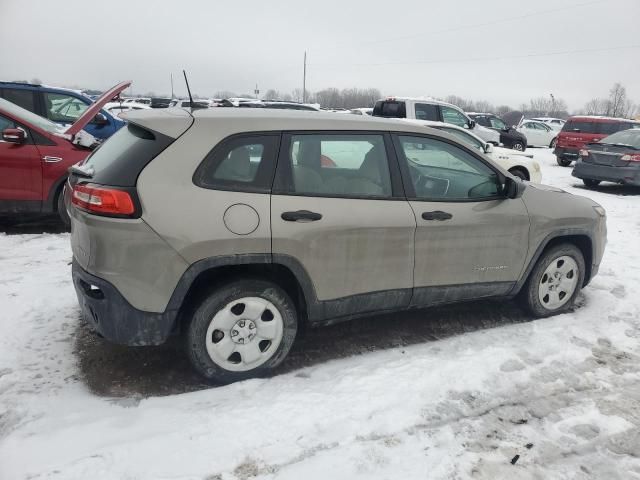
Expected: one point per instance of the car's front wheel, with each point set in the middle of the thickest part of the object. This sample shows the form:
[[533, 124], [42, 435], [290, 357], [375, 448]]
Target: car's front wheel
[[241, 330], [519, 172], [553, 143], [555, 281], [590, 183], [563, 162], [519, 146]]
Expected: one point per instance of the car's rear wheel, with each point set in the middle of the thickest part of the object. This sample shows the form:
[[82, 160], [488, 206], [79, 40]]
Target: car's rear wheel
[[62, 209], [242, 330], [519, 146], [553, 143], [590, 183], [520, 173], [555, 281], [563, 162]]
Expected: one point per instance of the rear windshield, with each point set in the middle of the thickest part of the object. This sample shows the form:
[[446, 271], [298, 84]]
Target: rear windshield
[[390, 109], [120, 159], [626, 137], [601, 128]]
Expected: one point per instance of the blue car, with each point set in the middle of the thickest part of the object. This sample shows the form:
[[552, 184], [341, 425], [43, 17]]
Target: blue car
[[59, 105]]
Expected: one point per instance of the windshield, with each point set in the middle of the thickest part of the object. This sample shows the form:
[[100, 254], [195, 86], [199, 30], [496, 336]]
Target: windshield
[[29, 117], [626, 137]]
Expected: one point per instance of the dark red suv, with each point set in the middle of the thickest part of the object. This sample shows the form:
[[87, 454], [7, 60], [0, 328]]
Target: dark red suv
[[35, 155], [580, 130]]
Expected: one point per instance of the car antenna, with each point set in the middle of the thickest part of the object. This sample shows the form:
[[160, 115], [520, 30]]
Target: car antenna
[[193, 105]]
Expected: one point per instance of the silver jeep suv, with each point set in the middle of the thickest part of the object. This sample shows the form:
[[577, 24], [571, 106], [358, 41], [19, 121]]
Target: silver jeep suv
[[235, 227]]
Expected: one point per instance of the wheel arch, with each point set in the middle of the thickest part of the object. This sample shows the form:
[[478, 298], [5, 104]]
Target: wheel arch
[[51, 203], [581, 239], [207, 274], [521, 168]]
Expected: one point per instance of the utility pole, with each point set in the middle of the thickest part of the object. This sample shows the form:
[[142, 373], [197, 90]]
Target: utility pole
[[172, 96], [304, 79], [553, 104]]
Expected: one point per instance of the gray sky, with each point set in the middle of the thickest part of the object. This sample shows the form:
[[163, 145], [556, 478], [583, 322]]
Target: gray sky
[[470, 48]]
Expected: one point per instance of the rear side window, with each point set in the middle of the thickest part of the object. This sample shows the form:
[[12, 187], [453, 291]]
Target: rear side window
[[119, 160], [23, 98], [244, 163], [607, 128], [425, 111], [390, 109]]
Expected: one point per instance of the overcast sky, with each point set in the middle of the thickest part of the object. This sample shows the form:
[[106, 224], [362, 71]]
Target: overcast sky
[[493, 50]]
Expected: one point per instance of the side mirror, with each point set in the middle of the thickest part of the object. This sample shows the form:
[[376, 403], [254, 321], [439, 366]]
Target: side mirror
[[514, 187], [14, 135], [471, 124], [488, 148], [100, 119]]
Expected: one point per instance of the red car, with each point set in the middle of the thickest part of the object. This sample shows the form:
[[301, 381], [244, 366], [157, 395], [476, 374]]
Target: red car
[[580, 130], [36, 153]]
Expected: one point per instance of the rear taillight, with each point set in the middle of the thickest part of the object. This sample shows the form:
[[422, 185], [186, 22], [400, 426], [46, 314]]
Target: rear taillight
[[631, 157], [584, 153], [102, 200]]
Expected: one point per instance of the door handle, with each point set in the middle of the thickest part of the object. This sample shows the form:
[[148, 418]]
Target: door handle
[[437, 215], [48, 159], [301, 215]]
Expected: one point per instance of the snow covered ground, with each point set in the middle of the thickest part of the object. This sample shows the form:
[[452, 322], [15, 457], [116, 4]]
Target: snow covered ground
[[562, 393]]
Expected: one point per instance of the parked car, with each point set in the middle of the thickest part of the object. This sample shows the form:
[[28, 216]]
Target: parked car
[[117, 108], [580, 130], [60, 105], [186, 103], [555, 123], [138, 100], [217, 241], [615, 158], [160, 102], [362, 111], [432, 110], [35, 155], [279, 105], [509, 136], [538, 134], [518, 164]]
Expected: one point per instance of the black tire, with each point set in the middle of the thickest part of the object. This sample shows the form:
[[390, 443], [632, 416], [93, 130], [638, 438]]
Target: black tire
[[553, 143], [563, 162], [529, 293], [216, 301], [590, 183], [520, 173], [62, 209], [519, 146]]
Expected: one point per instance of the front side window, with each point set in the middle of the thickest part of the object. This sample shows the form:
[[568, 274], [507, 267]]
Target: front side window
[[339, 165], [6, 123], [464, 137], [440, 171], [242, 163], [453, 116], [426, 111], [63, 108], [497, 123]]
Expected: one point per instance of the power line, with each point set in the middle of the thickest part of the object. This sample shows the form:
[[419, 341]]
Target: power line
[[468, 26], [482, 59]]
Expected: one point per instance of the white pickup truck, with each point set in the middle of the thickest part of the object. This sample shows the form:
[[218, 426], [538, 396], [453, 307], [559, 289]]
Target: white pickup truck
[[432, 110]]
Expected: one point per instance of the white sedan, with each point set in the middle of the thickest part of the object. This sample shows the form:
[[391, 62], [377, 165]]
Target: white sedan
[[519, 164], [118, 108], [538, 134]]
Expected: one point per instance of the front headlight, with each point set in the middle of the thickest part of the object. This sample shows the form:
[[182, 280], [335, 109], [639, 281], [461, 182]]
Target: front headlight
[[600, 211]]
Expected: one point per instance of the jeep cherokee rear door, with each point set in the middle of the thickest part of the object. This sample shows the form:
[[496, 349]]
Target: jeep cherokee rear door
[[470, 240], [339, 216]]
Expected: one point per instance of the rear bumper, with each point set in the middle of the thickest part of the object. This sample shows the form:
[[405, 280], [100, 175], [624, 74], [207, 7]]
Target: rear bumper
[[108, 313], [566, 152], [590, 171]]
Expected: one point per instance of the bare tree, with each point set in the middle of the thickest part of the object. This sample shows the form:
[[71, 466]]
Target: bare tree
[[596, 106], [224, 94], [619, 104], [271, 94]]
